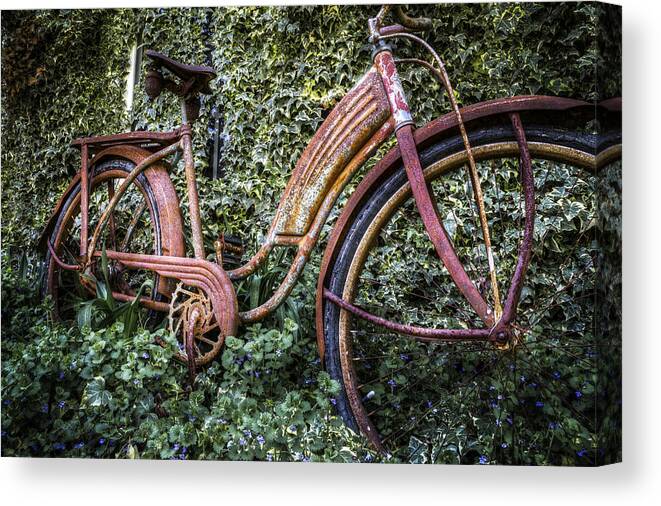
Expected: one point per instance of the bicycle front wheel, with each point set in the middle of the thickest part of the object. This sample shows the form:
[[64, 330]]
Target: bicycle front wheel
[[468, 402]]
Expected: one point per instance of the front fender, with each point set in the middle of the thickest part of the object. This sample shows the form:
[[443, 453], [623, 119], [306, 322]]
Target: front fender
[[424, 136]]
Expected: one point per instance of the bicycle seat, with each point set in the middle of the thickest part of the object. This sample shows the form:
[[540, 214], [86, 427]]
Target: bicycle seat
[[200, 74]]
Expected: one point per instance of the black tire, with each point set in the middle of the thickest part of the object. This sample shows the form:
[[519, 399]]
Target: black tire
[[364, 216], [117, 167]]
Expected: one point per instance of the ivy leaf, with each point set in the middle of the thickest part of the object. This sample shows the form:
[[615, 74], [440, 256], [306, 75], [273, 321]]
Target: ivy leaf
[[96, 394]]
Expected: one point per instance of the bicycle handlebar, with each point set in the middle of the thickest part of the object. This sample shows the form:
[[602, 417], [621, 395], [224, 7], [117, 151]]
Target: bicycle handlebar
[[407, 23], [416, 24]]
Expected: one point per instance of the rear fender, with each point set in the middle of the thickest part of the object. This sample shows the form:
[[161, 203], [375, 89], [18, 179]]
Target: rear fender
[[165, 196]]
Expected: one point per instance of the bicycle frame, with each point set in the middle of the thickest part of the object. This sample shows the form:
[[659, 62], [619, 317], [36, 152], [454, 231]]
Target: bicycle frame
[[366, 117]]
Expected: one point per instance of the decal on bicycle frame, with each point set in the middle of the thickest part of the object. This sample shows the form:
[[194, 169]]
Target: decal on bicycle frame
[[395, 92]]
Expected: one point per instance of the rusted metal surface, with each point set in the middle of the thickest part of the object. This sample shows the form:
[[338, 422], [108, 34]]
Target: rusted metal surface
[[207, 341], [612, 104], [424, 200], [189, 340], [139, 168], [429, 214], [168, 235], [193, 197], [255, 262], [154, 139], [399, 108], [525, 249], [194, 78], [426, 135], [452, 162], [84, 199], [308, 242], [202, 274], [154, 305], [441, 74], [425, 334], [60, 263], [353, 121]]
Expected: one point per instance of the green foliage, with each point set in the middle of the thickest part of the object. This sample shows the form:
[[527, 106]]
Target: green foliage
[[97, 393], [103, 310]]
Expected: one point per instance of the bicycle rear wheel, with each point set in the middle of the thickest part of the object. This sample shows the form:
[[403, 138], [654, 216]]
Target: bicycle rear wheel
[[467, 402], [133, 227]]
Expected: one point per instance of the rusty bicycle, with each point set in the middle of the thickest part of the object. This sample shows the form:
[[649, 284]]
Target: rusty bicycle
[[377, 336]]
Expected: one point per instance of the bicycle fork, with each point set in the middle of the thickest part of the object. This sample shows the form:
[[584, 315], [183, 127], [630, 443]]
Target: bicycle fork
[[499, 319]]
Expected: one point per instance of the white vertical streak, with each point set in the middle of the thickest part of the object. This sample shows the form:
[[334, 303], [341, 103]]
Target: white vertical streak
[[130, 78]]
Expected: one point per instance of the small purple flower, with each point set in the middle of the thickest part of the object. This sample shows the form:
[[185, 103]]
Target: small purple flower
[[242, 442], [247, 433], [44, 408], [553, 425], [578, 394], [102, 441], [512, 367], [60, 375], [556, 374], [269, 457], [333, 401], [191, 418], [500, 397], [145, 355], [523, 379], [534, 385], [405, 357], [503, 445], [582, 453], [429, 404], [484, 459], [260, 439], [61, 404], [368, 458], [509, 420], [59, 446], [498, 422], [493, 404], [3, 433], [392, 383], [6, 402], [175, 447], [308, 381], [256, 374], [79, 445], [136, 381], [539, 404], [184, 450], [292, 428]]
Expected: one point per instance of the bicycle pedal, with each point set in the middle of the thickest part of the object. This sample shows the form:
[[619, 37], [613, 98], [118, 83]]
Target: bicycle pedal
[[229, 251]]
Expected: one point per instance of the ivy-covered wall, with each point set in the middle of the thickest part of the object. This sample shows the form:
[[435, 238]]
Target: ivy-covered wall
[[64, 76]]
